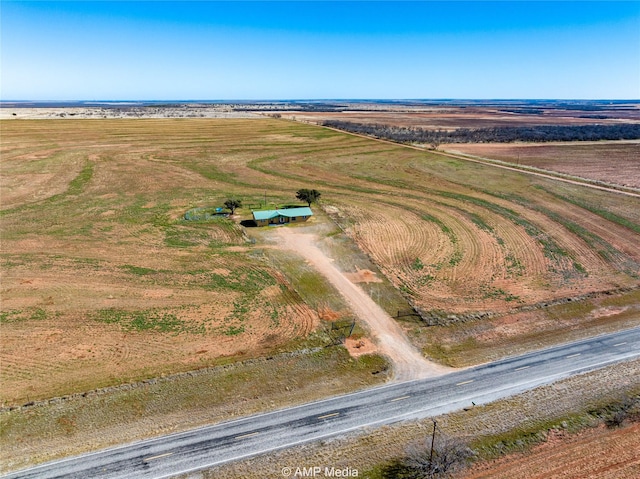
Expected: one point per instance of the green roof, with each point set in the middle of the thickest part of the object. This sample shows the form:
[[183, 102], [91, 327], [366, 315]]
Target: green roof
[[288, 213]]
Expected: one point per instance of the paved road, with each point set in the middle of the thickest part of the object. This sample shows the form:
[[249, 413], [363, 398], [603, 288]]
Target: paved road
[[204, 447]]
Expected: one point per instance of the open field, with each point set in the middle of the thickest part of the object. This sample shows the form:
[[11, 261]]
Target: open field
[[106, 283], [103, 280], [506, 242], [25, 111], [472, 342], [610, 162], [602, 453], [450, 117]]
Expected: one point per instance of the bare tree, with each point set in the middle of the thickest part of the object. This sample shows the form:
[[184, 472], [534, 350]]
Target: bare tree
[[448, 455], [498, 134]]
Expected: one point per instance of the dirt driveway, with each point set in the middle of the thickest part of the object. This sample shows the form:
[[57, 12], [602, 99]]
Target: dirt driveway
[[391, 341]]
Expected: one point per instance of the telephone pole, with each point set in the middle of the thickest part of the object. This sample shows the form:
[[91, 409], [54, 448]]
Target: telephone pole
[[433, 438]]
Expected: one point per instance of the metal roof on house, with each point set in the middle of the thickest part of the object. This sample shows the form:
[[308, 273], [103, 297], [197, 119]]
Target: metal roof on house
[[264, 215], [289, 213]]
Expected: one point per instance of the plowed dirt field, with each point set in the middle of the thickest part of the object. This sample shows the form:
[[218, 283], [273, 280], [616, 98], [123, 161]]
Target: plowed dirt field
[[616, 163], [596, 453]]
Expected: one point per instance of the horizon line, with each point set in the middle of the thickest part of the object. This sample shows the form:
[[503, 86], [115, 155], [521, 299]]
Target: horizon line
[[297, 100]]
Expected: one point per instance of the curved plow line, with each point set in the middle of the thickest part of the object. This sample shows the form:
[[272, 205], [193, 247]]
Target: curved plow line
[[430, 195], [376, 226], [407, 277]]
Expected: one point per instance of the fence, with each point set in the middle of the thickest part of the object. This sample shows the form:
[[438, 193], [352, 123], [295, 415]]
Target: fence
[[341, 330]]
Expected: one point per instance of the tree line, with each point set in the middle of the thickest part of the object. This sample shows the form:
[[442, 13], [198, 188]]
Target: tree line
[[533, 133]]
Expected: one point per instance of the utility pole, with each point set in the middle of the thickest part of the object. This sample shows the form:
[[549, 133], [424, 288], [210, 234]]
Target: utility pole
[[433, 438]]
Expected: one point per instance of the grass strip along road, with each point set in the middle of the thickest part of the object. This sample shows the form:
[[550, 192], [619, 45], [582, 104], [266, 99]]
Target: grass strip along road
[[205, 447]]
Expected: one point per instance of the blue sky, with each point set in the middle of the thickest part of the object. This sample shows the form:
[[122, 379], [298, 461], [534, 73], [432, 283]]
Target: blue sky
[[319, 50]]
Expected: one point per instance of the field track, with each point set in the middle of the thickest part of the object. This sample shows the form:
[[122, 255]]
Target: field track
[[506, 167], [408, 363]]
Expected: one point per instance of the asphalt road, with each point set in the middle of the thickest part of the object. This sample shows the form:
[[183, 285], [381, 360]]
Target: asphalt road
[[230, 441]]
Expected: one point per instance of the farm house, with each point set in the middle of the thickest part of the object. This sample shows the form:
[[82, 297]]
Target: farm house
[[276, 217]]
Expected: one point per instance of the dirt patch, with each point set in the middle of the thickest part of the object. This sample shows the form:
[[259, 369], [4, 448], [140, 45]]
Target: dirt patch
[[286, 138], [607, 311], [221, 271], [325, 313], [158, 293], [363, 276], [358, 347]]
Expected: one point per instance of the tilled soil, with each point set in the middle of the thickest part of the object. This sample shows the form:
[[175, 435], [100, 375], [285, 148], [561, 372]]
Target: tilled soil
[[582, 159], [595, 453]]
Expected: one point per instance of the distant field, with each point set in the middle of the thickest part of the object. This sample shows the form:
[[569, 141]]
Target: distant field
[[611, 162], [104, 282], [451, 117]]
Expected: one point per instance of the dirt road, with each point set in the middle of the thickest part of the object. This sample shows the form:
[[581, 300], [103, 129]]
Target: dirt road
[[408, 362], [488, 162]]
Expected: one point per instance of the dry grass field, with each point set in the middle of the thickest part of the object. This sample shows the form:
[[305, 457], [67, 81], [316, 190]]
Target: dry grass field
[[610, 162], [104, 282], [175, 403]]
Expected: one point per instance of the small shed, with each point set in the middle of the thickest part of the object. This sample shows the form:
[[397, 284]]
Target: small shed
[[283, 216]]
